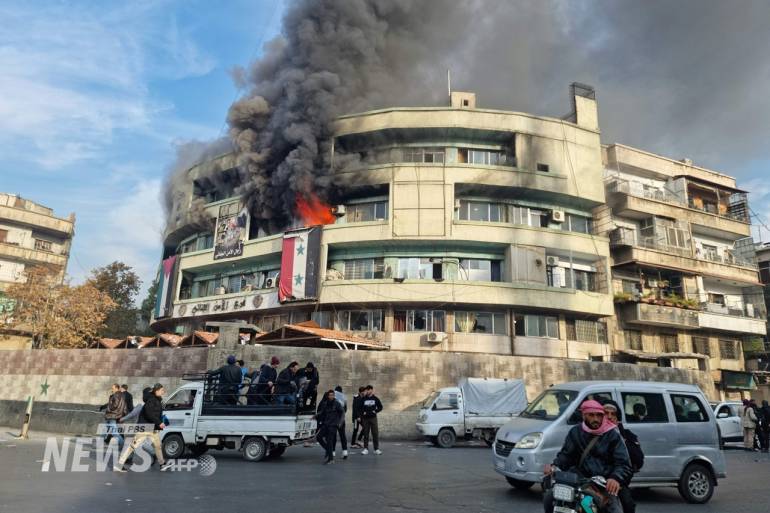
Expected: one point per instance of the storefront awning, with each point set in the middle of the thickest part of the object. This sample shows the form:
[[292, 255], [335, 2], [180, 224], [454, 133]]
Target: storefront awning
[[736, 380]]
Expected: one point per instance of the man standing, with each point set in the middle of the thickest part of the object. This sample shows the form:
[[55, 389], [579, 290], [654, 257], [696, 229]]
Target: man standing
[[114, 410], [129, 398], [261, 392], [593, 448], [749, 422], [230, 377], [764, 412], [152, 413], [370, 407], [340, 398], [330, 417], [635, 454], [286, 386], [357, 418], [313, 379]]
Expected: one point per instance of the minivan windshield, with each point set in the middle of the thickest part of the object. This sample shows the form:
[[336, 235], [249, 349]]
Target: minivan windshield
[[427, 403], [550, 404]]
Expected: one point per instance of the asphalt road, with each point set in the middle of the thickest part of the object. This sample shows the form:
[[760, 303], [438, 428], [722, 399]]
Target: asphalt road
[[407, 477]]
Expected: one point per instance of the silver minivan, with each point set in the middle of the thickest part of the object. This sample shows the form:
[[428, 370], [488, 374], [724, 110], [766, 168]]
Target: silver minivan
[[674, 422]]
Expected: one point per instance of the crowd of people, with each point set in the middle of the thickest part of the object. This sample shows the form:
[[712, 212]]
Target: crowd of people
[[756, 425]]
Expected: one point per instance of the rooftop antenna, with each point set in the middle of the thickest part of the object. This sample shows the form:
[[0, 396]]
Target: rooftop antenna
[[449, 84]]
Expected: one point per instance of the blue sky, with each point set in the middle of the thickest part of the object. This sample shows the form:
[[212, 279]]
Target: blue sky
[[93, 101]]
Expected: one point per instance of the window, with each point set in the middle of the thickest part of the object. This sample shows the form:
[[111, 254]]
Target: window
[[323, 319], [579, 224], [670, 343], [716, 299], [634, 340], [182, 400], [420, 268], [550, 404], [480, 322], [764, 268], [728, 349], [4, 236], [481, 211], [583, 280], [544, 326], [725, 411], [43, 245], [485, 157], [472, 269], [426, 155], [370, 211], [577, 416], [710, 252], [687, 408], [538, 218], [364, 269], [360, 320], [644, 408], [234, 284], [198, 243], [586, 331], [446, 402], [419, 320], [701, 345], [273, 322], [542, 167]]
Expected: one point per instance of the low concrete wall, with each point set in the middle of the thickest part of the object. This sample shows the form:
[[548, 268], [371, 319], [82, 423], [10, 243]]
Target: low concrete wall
[[80, 379]]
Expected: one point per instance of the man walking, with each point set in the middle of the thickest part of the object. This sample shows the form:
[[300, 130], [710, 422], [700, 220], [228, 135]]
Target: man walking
[[764, 412], [115, 409], [749, 422], [152, 413], [129, 398], [286, 386], [340, 398], [357, 431], [330, 417], [370, 407]]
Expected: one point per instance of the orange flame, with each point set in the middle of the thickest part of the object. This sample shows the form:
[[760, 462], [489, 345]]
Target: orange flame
[[313, 211]]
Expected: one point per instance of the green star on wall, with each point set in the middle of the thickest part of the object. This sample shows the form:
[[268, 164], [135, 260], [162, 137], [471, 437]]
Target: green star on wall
[[44, 387], [300, 249], [298, 279]]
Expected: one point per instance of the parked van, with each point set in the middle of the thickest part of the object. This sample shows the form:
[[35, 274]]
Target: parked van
[[674, 422]]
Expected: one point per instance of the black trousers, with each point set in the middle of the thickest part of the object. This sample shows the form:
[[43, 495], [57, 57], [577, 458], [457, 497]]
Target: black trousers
[[343, 437], [356, 426], [369, 426], [327, 437]]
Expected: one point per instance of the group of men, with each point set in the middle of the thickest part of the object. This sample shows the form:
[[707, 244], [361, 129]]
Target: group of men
[[331, 421], [756, 421], [601, 446], [120, 409], [237, 384]]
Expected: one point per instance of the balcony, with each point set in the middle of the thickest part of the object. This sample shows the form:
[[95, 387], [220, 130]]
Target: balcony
[[19, 253], [627, 249], [62, 227], [658, 315], [746, 319], [635, 202]]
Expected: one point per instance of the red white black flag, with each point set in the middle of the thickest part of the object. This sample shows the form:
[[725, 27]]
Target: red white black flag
[[299, 265]]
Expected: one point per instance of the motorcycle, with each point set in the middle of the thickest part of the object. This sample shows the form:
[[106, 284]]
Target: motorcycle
[[575, 494]]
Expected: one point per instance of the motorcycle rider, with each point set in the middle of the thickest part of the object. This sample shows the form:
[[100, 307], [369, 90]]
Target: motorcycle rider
[[635, 454], [593, 448]]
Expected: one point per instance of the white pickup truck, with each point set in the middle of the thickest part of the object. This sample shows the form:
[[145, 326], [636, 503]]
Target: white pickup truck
[[198, 423], [475, 408]]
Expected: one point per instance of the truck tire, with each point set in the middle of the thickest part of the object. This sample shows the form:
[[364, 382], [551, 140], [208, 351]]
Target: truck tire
[[696, 485], [254, 449], [446, 438], [519, 484], [173, 446]]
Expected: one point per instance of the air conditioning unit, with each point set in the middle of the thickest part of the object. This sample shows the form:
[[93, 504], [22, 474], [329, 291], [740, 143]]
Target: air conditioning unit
[[269, 283], [436, 336], [557, 216], [552, 260], [219, 291], [339, 210]]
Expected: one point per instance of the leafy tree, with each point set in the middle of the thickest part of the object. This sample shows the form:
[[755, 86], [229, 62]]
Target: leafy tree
[[56, 314], [121, 283], [148, 304]]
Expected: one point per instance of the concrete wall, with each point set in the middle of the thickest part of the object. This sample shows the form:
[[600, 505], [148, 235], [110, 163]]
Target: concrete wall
[[79, 379]]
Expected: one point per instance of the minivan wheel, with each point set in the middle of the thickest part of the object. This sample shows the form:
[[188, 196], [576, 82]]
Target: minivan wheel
[[254, 449], [446, 438], [519, 484], [173, 446], [696, 485]]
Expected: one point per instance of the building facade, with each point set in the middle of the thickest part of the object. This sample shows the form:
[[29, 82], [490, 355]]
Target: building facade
[[467, 229], [30, 235]]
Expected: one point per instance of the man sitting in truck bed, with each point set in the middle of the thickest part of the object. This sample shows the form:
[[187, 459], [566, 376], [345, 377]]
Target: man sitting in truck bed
[[286, 386], [260, 392]]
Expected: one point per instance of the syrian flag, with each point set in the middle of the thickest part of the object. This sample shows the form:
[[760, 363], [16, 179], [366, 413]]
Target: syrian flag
[[299, 265], [164, 300]]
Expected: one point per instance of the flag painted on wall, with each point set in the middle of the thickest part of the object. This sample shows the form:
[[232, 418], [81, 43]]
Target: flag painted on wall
[[164, 300], [300, 258]]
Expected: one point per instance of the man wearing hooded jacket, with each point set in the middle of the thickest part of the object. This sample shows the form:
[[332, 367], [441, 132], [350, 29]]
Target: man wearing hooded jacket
[[607, 457]]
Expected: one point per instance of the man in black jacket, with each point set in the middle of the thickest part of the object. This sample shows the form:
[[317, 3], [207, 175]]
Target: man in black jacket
[[286, 386], [230, 377], [764, 434], [261, 390], [129, 398], [370, 407], [114, 410], [152, 414], [594, 448], [357, 418], [313, 379], [635, 454], [330, 417]]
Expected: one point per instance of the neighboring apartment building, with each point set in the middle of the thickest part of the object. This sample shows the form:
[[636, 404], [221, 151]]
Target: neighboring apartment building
[[684, 271], [30, 235], [466, 229]]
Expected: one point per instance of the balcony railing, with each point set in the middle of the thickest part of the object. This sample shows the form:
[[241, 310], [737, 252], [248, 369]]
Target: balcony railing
[[640, 191], [658, 315], [748, 310], [725, 258]]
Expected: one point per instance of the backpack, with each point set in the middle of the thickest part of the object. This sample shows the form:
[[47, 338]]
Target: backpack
[[635, 452]]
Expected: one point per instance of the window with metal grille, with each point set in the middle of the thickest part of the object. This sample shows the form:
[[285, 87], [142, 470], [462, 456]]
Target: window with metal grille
[[364, 269], [728, 349], [43, 245], [634, 340], [586, 331], [701, 345], [670, 343]]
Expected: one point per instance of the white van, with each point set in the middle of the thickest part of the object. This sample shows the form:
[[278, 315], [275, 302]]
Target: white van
[[674, 422]]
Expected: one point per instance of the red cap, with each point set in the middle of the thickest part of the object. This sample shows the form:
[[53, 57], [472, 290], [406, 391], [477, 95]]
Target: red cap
[[274, 360]]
